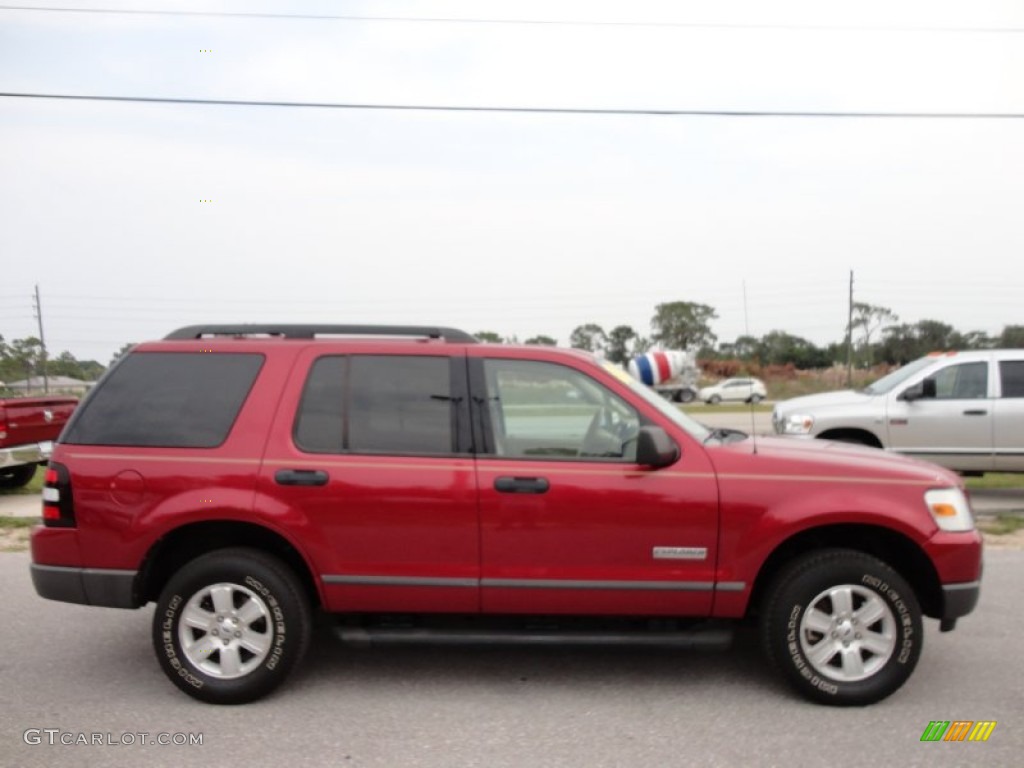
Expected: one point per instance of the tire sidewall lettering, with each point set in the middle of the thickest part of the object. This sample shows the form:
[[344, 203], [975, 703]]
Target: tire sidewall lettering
[[902, 611], [274, 658], [168, 635], [795, 655]]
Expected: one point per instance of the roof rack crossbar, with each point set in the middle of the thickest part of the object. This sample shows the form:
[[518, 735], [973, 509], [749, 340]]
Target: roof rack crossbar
[[287, 331]]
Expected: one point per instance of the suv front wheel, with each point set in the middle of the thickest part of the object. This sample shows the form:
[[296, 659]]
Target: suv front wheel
[[230, 625], [843, 626]]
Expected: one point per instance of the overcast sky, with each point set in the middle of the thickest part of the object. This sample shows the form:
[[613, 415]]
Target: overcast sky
[[518, 223]]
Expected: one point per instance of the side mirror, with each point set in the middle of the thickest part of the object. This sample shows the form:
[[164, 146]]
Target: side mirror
[[655, 449], [920, 391]]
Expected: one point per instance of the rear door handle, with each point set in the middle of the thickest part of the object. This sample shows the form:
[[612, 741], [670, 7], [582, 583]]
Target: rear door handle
[[300, 477], [521, 484], [975, 413]]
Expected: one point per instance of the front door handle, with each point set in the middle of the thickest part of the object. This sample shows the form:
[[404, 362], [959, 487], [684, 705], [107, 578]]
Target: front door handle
[[300, 477], [521, 484], [975, 413]]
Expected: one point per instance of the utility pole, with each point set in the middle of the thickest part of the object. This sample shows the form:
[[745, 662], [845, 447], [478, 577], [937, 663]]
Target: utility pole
[[849, 339], [42, 340]]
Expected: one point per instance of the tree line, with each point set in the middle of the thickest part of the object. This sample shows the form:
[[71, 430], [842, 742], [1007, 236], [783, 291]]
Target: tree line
[[875, 336], [23, 359]]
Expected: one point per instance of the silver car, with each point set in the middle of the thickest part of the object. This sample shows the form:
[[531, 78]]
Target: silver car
[[749, 390], [963, 410]]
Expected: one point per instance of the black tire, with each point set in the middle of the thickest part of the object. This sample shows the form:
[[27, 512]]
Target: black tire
[[16, 477], [715, 399], [843, 627], [755, 399], [262, 626], [686, 395]]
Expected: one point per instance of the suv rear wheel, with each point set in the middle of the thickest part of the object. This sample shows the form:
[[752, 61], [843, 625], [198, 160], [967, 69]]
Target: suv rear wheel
[[230, 625], [843, 626]]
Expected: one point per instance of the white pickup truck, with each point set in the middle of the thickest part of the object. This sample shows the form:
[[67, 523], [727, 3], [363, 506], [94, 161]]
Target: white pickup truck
[[963, 410]]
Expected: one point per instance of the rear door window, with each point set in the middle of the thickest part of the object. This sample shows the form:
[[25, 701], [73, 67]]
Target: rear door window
[[379, 404], [166, 399], [1011, 373]]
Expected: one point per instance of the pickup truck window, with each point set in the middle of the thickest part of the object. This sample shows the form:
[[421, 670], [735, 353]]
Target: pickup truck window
[[1011, 373], [962, 382], [891, 381], [166, 399]]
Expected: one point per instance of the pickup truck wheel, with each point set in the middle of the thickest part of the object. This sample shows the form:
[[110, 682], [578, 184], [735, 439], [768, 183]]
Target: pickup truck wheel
[[16, 477], [844, 627], [230, 625]]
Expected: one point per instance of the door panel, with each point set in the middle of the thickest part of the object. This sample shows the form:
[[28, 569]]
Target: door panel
[[1008, 417], [955, 427], [586, 530], [374, 464], [388, 534], [602, 539]]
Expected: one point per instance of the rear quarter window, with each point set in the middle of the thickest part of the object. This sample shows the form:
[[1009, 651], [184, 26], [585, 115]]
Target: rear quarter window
[[167, 400]]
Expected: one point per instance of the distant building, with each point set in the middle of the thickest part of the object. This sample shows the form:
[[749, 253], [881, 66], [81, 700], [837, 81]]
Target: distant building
[[59, 385]]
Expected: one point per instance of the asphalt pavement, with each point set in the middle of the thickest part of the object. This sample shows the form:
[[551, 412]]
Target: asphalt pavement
[[73, 673]]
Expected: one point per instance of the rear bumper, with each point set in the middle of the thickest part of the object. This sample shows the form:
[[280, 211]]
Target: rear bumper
[[86, 586], [31, 453]]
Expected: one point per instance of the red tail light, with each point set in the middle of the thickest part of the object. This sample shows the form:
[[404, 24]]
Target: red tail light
[[58, 502]]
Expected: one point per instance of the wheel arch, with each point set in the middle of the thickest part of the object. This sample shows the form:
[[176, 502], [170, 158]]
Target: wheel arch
[[895, 549], [189, 541], [857, 435]]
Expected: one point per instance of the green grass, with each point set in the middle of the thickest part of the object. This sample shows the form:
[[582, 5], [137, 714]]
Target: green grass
[[35, 485], [18, 522], [1002, 524], [995, 481], [727, 408]]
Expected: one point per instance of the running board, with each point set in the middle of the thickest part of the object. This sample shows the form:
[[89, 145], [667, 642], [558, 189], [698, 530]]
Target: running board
[[709, 639]]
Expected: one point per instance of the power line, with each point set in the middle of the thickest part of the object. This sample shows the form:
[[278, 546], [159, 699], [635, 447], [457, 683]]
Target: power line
[[591, 111], [528, 22]]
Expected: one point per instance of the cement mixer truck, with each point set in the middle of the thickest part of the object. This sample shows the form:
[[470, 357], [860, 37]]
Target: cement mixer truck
[[671, 373]]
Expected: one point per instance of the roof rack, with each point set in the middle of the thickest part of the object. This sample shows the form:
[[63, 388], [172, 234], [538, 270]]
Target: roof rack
[[312, 331]]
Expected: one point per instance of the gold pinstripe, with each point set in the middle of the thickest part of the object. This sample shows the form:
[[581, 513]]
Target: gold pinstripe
[[468, 466], [831, 479], [136, 457]]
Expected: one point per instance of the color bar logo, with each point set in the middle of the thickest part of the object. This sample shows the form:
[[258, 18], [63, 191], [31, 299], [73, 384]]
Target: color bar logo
[[958, 730]]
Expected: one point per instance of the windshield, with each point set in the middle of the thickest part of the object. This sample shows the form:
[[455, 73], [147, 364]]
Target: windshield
[[897, 377], [695, 429]]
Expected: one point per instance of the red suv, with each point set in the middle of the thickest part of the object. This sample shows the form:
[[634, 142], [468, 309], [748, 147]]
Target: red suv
[[424, 486]]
